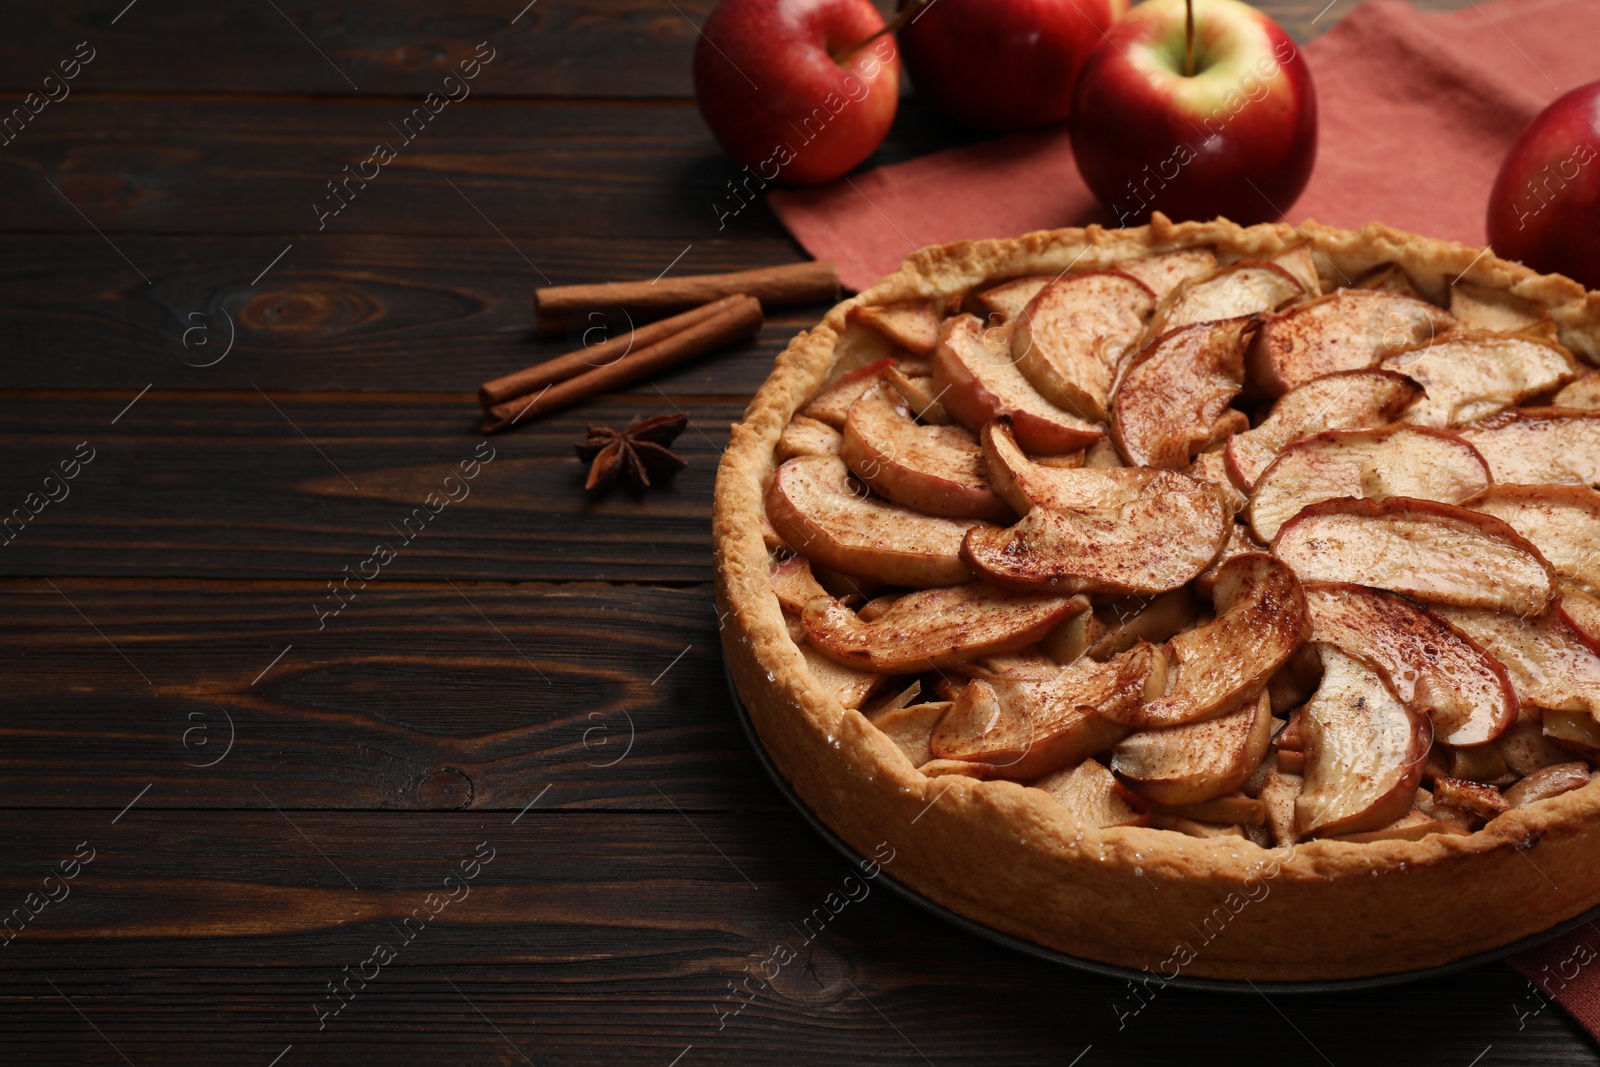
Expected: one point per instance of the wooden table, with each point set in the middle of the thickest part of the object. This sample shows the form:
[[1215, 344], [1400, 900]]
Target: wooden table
[[509, 759]]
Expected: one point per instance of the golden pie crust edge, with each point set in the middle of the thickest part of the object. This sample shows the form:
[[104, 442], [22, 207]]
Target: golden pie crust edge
[[1015, 859]]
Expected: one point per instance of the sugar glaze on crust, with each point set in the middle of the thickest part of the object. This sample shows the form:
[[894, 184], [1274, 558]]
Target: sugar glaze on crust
[[1012, 858]]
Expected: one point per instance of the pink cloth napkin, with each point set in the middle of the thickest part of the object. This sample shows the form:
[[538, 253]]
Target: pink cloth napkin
[[1417, 110]]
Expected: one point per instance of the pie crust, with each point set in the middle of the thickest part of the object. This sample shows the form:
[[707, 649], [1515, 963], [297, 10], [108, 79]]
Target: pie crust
[[1012, 858]]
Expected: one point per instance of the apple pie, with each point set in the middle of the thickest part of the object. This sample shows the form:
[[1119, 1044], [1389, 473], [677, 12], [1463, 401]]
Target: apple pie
[[1203, 600]]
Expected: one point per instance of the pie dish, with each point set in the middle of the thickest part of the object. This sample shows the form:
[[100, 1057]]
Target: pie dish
[[1195, 599]]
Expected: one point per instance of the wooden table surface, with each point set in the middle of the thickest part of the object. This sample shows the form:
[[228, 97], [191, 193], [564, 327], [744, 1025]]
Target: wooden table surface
[[516, 734]]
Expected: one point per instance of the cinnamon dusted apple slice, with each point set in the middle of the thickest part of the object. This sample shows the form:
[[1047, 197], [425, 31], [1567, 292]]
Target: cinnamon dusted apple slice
[[1197, 762], [920, 395], [933, 628], [1248, 287], [1146, 546], [1025, 483], [1280, 790], [1164, 270], [1471, 374], [1004, 302], [1349, 329], [1478, 307], [833, 403], [1539, 446], [1550, 662], [911, 324], [1349, 400], [1175, 391], [850, 687], [1261, 620], [1364, 751], [1436, 553], [1583, 393], [805, 436], [1030, 721], [1393, 461], [1298, 260], [937, 470], [1433, 668], [978, 377], [1239, 543], [1094, 796], [816, 509], [1562, 521], [1071, 339]]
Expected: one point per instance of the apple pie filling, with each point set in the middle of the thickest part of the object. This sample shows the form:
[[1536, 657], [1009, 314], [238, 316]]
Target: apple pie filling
[[1221, 548]]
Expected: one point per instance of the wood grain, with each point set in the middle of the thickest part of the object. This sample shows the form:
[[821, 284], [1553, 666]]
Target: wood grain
[[362, 313], [595, 937], [253, 485], [446, 696]]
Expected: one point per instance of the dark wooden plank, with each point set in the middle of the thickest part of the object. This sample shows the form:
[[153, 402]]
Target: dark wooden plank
[[597, 938], [601, 48], [219, 695], [348, 313], [534, 169], [251, 485], [607, 48]]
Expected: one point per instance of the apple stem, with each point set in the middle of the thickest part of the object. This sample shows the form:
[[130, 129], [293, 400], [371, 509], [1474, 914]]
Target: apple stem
[[1188, 38], [904, 15]]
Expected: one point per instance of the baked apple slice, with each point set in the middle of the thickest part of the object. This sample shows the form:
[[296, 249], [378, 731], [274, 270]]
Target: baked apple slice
[[1583, 393], [911, 727], [1550, 662], [1197, 762], [1128, 621], [1094, 796], [1432, 667], [1436, 553], [1030, 721], [937, 470], [1239, 543], [933, 628], [1562, 521], [1248, 287], [1547, 782], [1349, 329], [794, 583], [978, 379], [832, 404], [1405, 461], [805, 436], [1389, 278], [1163, 271], [1261, 621], [1176, 391], [1004, 302], [818, 511], [911, 324], [921, 396], [1471, 374], [1071, 339], [1298, 260], [1026, 484], [850, 687], [1364, 751], [1539, 446], [1479, 307]]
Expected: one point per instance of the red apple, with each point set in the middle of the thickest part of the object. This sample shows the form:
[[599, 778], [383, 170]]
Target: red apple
[[1233, 135], [787, 93], [1545, 206], [1003, 64]]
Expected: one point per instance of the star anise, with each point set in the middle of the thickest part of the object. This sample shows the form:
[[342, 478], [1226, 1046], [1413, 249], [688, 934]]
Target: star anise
[[635, 453]]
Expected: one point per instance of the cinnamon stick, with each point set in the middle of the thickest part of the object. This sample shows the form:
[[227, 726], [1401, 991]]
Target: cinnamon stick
[[561, 368], [742, 319], [797, 283]]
